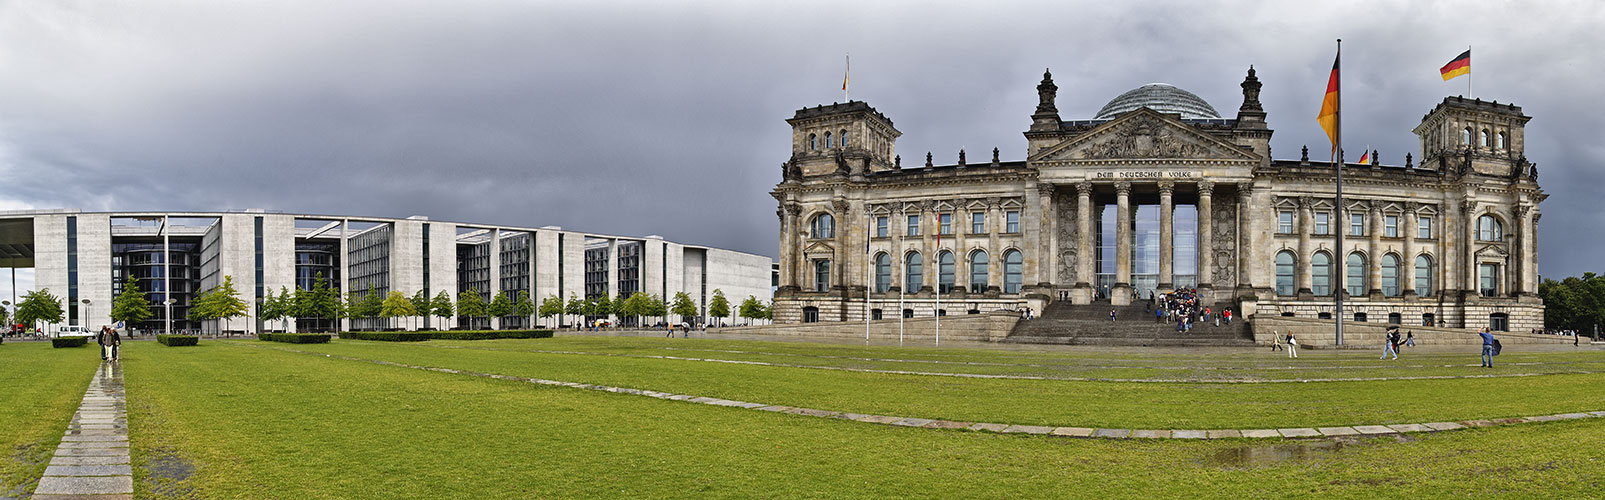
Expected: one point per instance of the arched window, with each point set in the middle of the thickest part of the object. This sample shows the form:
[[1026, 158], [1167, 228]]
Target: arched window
[[824, 227], [1424, 276], [978, 271], [1284, 273], [827, 140], [813, 142], [914, 271], [844, 138], [1390, 275], [883, 272], [1356, 274], [1012, 273], [1502, 138], [1321, 273], [1490, 229], [1465, 137], [1483, 138], [944, 271]]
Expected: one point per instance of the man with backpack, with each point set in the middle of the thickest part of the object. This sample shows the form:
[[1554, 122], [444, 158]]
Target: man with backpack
[[1488, 351]]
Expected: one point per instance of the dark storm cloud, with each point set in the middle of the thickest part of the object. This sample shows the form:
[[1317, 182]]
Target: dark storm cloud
[[652, 118]]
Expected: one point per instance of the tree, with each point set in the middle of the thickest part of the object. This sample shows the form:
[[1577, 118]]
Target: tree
[[684, 307], [37, 306], [636, 306], [286, 305], [267, 308], [372, 305], [551, 306], [1574, 303], [751, 309], [130, 307], [524, 306], [575, 307], [323, 302], [420, 305], [603, 306], [501, 306], [224, 303], [657, 307], [719, 307], [352, 308], [470, 305], [396, 305], [441, 307]]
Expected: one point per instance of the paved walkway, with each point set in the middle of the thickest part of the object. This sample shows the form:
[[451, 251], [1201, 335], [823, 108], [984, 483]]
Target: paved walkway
[[1083, 432], [92, 460]]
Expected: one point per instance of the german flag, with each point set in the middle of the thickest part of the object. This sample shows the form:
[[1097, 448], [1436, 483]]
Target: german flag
[[1329, 107], [1459, 66]]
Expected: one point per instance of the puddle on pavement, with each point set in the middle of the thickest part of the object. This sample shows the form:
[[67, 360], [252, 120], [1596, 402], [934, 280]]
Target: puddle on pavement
[[169, 475]]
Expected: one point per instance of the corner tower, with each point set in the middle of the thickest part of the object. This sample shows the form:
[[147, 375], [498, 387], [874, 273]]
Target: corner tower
[[849, 138], [1486, 136]]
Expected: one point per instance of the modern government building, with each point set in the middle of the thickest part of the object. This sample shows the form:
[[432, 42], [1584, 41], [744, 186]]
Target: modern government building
[[86, 258], [1158, 191]]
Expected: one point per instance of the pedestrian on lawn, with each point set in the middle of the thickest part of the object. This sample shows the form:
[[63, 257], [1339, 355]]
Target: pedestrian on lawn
[[1292, 346], [1276, 341], [1410, 338], [1390, 345], [1487, 347]]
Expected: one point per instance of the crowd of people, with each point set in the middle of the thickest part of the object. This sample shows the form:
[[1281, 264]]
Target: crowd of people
[[1184, 307]]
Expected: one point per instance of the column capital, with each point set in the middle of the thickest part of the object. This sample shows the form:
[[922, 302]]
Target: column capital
[[1084, 188], [1245, 189], [840, 205], [1411, 207], [1167, 188], [994, 202], [1522, 210], [1123, 188], [1468, 206], [1306, 202], [1374, 208], [1046, 188], [1206, 188], [793, 209]]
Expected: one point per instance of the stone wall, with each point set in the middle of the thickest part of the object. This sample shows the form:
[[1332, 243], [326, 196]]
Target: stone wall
[[970, 328], [1321, 334]]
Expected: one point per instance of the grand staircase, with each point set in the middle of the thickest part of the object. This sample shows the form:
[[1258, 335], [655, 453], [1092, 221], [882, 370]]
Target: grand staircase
[[1063, 323]]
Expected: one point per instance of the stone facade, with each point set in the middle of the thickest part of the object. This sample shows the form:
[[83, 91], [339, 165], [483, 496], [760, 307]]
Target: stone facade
[[1160, 194]]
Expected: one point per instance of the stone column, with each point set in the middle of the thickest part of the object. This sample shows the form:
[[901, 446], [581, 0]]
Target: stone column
[[1166, 210], [1048, 245], [929, 267], [1121, 293], [1306, 225], [1468, 247], [1407, 269], [896, 227], [1247, 237], [1206, 236], [496, 274], [1373, 271], [839, 262], [1519, 253], [994, 252], [1086, 259]]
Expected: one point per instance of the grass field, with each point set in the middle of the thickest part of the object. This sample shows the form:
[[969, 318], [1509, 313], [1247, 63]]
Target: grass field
[[248, 419], [40, 387]]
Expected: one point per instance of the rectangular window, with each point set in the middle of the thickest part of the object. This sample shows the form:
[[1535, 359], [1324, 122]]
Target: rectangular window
[[913, 225], [880, 226], [1390, 226], [1011, 223], [944, 224], [1323, 223], [1284, 222], [1489, 274], [821, 275], [977, 222], [1426, 227], [1356, 224]]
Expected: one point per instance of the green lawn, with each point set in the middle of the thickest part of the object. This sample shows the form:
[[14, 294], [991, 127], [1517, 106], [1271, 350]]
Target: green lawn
[[256, 422], [40, 387], [1148, 405]]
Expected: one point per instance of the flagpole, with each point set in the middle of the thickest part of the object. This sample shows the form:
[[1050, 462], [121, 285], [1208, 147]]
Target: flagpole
[[1468, 70], [869, 268], [846, 76], [938, 311], [1338, 151]]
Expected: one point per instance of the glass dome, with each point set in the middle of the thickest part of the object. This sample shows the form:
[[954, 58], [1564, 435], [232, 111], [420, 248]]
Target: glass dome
[[1161, 97]]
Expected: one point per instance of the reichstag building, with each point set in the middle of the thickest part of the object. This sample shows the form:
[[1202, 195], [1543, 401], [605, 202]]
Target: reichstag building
[[1156, 192]]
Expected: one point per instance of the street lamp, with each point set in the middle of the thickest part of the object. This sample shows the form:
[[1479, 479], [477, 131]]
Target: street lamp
[[170, 301]]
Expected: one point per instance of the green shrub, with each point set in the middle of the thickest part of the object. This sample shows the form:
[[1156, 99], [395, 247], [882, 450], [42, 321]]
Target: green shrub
[[491, 334], [264, 336], [300, 338], [69, 342], [388, 336], [177, 340]]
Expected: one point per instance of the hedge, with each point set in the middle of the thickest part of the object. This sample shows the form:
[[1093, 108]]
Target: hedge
[[388, 336], [491, 334], [296, 338], [177, 340], [69, 342]]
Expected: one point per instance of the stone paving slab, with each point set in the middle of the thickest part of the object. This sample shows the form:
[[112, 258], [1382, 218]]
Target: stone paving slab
[[988, 427], [1299, 432], [83, 497], [775, 408], [1476, 423], [1224, 433], [879, 419], [1072, 431], [1569, 416], [913, 422], [1189, 434], [1597, 413], [88, 470], [96, 485], [91, 452], [947, 424], [1112, 433], [122, 443], [61, 460], [1150, 434], [1337, 431], [814, 413], [1443, 426], [1261, 433], [1409, 428], [1371, 430], [118, 436], [1028, 429]]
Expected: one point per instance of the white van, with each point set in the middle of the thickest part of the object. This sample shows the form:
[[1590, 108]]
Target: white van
[[74, 331]]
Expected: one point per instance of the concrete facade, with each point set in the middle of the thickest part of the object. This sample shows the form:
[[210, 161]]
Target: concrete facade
[[1091, 216]]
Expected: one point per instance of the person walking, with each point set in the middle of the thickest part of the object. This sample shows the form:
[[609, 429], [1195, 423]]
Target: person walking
[[1410, 338], [1228, 314], [1111, 315], [1292, 346], [1390, 345], [1487, 347], [100, 338], [1276, 341]]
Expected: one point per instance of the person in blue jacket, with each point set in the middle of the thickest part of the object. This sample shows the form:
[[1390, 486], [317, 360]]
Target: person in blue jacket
[[1487, 347]]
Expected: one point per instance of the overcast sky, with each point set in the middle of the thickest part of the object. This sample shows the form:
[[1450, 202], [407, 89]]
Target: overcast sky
[[667, 118]]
